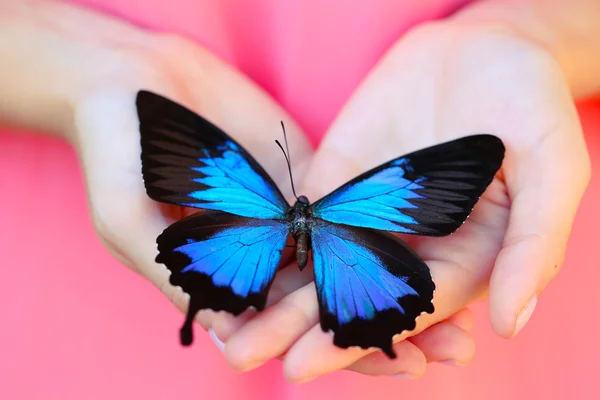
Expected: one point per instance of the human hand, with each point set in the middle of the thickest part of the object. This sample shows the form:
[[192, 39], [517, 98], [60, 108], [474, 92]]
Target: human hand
[[109, 67], [444, 81], [106, 133]]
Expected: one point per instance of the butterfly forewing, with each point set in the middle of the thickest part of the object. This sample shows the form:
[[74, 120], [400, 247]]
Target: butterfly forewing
[[429, 192], [188, 161]]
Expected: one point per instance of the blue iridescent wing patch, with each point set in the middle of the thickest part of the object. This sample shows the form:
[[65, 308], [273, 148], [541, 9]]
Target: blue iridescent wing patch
[[370, 285], [429, 192], [224, 262], [188, 161]]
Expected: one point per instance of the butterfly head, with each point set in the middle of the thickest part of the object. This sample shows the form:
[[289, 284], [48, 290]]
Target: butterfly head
[[301, 209], [303, 200]]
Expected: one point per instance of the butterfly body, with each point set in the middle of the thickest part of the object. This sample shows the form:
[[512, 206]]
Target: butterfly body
[[370, 286], [300, 217]]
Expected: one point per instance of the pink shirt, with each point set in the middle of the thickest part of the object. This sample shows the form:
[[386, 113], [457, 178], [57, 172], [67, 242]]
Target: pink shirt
[[308, 54]]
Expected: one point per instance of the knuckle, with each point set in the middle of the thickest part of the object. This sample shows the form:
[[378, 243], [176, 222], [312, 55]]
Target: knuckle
[[291, 313]]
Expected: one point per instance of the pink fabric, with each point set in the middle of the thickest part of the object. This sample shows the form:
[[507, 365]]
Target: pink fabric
[[308, 54], [77, 325]]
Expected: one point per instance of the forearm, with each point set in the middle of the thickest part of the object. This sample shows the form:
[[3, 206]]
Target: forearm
[[569, 29], [50, 54]]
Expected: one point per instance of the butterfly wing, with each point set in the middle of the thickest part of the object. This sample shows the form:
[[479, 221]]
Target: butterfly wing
[[429, 192], [223, 261], [188, 161], [370, 285]]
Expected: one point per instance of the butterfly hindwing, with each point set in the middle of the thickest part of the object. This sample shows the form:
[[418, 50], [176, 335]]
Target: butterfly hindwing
[[428, 192], [370, 285], [223, 261], [188, 161]]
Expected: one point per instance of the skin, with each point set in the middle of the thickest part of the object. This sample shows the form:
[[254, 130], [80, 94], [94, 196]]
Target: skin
[[511, 68]]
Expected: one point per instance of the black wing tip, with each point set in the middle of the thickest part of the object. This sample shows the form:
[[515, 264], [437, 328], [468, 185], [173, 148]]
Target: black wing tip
[[489, 148], [146, 103], [143, 93], [144, 97], [482, 137], [148, 96], [493, 144], [487, 151]]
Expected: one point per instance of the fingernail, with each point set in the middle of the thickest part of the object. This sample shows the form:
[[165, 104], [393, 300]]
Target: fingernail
[[257, 364], [306, 379], [403, 376], [525, 315], [451, 362], [216, 339]]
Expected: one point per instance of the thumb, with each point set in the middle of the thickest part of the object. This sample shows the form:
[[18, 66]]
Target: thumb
[[546, 185]]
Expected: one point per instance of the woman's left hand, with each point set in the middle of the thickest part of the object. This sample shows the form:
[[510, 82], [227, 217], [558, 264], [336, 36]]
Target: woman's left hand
[[440, 82]]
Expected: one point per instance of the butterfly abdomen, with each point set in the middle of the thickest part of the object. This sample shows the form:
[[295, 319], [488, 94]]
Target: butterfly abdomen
[[302, 247]]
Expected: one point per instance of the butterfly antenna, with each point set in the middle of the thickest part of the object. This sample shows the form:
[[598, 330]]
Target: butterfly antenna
[[287, 158]]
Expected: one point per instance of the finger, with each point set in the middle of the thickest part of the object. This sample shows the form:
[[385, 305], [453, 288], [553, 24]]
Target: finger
[[443, 342], [315, 355], [463, 319], [410, 363], [273, 331], [447, 343], [546, 184]]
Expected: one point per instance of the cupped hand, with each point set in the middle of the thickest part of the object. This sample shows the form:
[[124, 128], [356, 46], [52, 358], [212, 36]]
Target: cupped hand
[[440, 82], [118, 60]]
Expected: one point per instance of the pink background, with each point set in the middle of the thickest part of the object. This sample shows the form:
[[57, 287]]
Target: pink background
[[78, 325]]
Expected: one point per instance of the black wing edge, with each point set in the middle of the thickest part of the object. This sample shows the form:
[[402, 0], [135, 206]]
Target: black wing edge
[[400, 260], [203, 294], [172, 139]]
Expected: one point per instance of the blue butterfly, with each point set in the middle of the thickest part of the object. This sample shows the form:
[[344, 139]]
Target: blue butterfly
[[370, 285]]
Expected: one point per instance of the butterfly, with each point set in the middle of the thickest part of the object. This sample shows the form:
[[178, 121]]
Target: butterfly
[[370, 285]]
